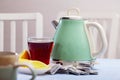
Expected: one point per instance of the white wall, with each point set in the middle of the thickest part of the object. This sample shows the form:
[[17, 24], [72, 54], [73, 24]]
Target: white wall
[[50, 8]]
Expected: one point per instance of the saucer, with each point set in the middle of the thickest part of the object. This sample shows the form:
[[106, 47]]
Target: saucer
[[37, 71]]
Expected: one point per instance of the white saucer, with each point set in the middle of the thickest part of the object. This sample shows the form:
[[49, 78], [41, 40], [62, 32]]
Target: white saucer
[[37, 71]]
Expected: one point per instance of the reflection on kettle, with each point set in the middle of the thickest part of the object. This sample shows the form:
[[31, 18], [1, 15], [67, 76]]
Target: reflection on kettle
[[72, 41]]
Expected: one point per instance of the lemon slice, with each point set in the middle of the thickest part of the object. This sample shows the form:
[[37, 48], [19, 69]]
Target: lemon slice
[[24, 55], [35, 64]]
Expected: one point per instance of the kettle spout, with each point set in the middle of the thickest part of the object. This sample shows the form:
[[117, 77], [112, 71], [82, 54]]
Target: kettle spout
[[55, 23]]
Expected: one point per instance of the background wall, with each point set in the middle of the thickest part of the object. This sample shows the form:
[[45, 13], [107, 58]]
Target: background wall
[[51, 8]]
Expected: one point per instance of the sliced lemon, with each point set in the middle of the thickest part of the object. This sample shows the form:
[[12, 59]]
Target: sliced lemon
[[24, 55], [35, 64]]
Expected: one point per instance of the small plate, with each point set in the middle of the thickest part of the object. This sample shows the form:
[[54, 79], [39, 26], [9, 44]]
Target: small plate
[[37, 71]]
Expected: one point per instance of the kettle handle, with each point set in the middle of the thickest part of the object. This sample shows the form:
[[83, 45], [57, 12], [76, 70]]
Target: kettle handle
[[102, 35]]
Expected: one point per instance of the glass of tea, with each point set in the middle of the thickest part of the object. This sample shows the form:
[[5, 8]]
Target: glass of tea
[[40, 48]]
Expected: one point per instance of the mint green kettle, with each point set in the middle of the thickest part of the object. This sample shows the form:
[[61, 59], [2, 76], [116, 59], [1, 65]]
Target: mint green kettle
[[73, 42]]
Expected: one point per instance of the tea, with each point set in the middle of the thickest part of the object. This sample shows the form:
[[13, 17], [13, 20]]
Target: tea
[[40, 50]]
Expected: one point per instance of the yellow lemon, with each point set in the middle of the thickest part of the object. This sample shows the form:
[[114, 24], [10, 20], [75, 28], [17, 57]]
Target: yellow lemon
[[36, 64], [39, 64], [25, 58], [24, 55]]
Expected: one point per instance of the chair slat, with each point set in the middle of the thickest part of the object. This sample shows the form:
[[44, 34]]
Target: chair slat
[[13, 36], [1, 36], [39, 25], [112, 49], [25, 35]]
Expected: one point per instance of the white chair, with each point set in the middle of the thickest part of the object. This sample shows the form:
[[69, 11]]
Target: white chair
[[110, 23], [12, 22]]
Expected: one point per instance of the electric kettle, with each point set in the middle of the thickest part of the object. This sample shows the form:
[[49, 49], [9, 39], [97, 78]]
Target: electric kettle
[[72, 39]]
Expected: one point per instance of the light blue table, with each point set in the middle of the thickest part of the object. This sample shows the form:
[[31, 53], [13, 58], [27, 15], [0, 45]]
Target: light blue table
[[108, 69]]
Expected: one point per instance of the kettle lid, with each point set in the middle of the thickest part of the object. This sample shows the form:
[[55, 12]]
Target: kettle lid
[[73, 13]]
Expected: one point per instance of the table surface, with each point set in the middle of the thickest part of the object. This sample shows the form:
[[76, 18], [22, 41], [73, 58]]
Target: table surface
[[108, 69]]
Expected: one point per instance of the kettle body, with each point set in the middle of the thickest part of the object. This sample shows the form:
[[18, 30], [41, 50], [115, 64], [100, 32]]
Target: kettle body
[[71, 42]]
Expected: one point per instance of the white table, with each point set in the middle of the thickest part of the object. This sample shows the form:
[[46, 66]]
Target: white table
[[108, 69]]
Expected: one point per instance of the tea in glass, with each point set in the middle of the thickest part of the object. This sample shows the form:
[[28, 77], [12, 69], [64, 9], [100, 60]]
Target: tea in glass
[[40, 49]]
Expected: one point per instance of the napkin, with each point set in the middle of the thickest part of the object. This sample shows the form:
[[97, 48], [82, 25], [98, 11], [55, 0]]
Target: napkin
[[81, 69]]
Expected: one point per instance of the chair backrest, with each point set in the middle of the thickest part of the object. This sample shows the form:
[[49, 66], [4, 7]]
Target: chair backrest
[[110, 23], [13, 20]]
